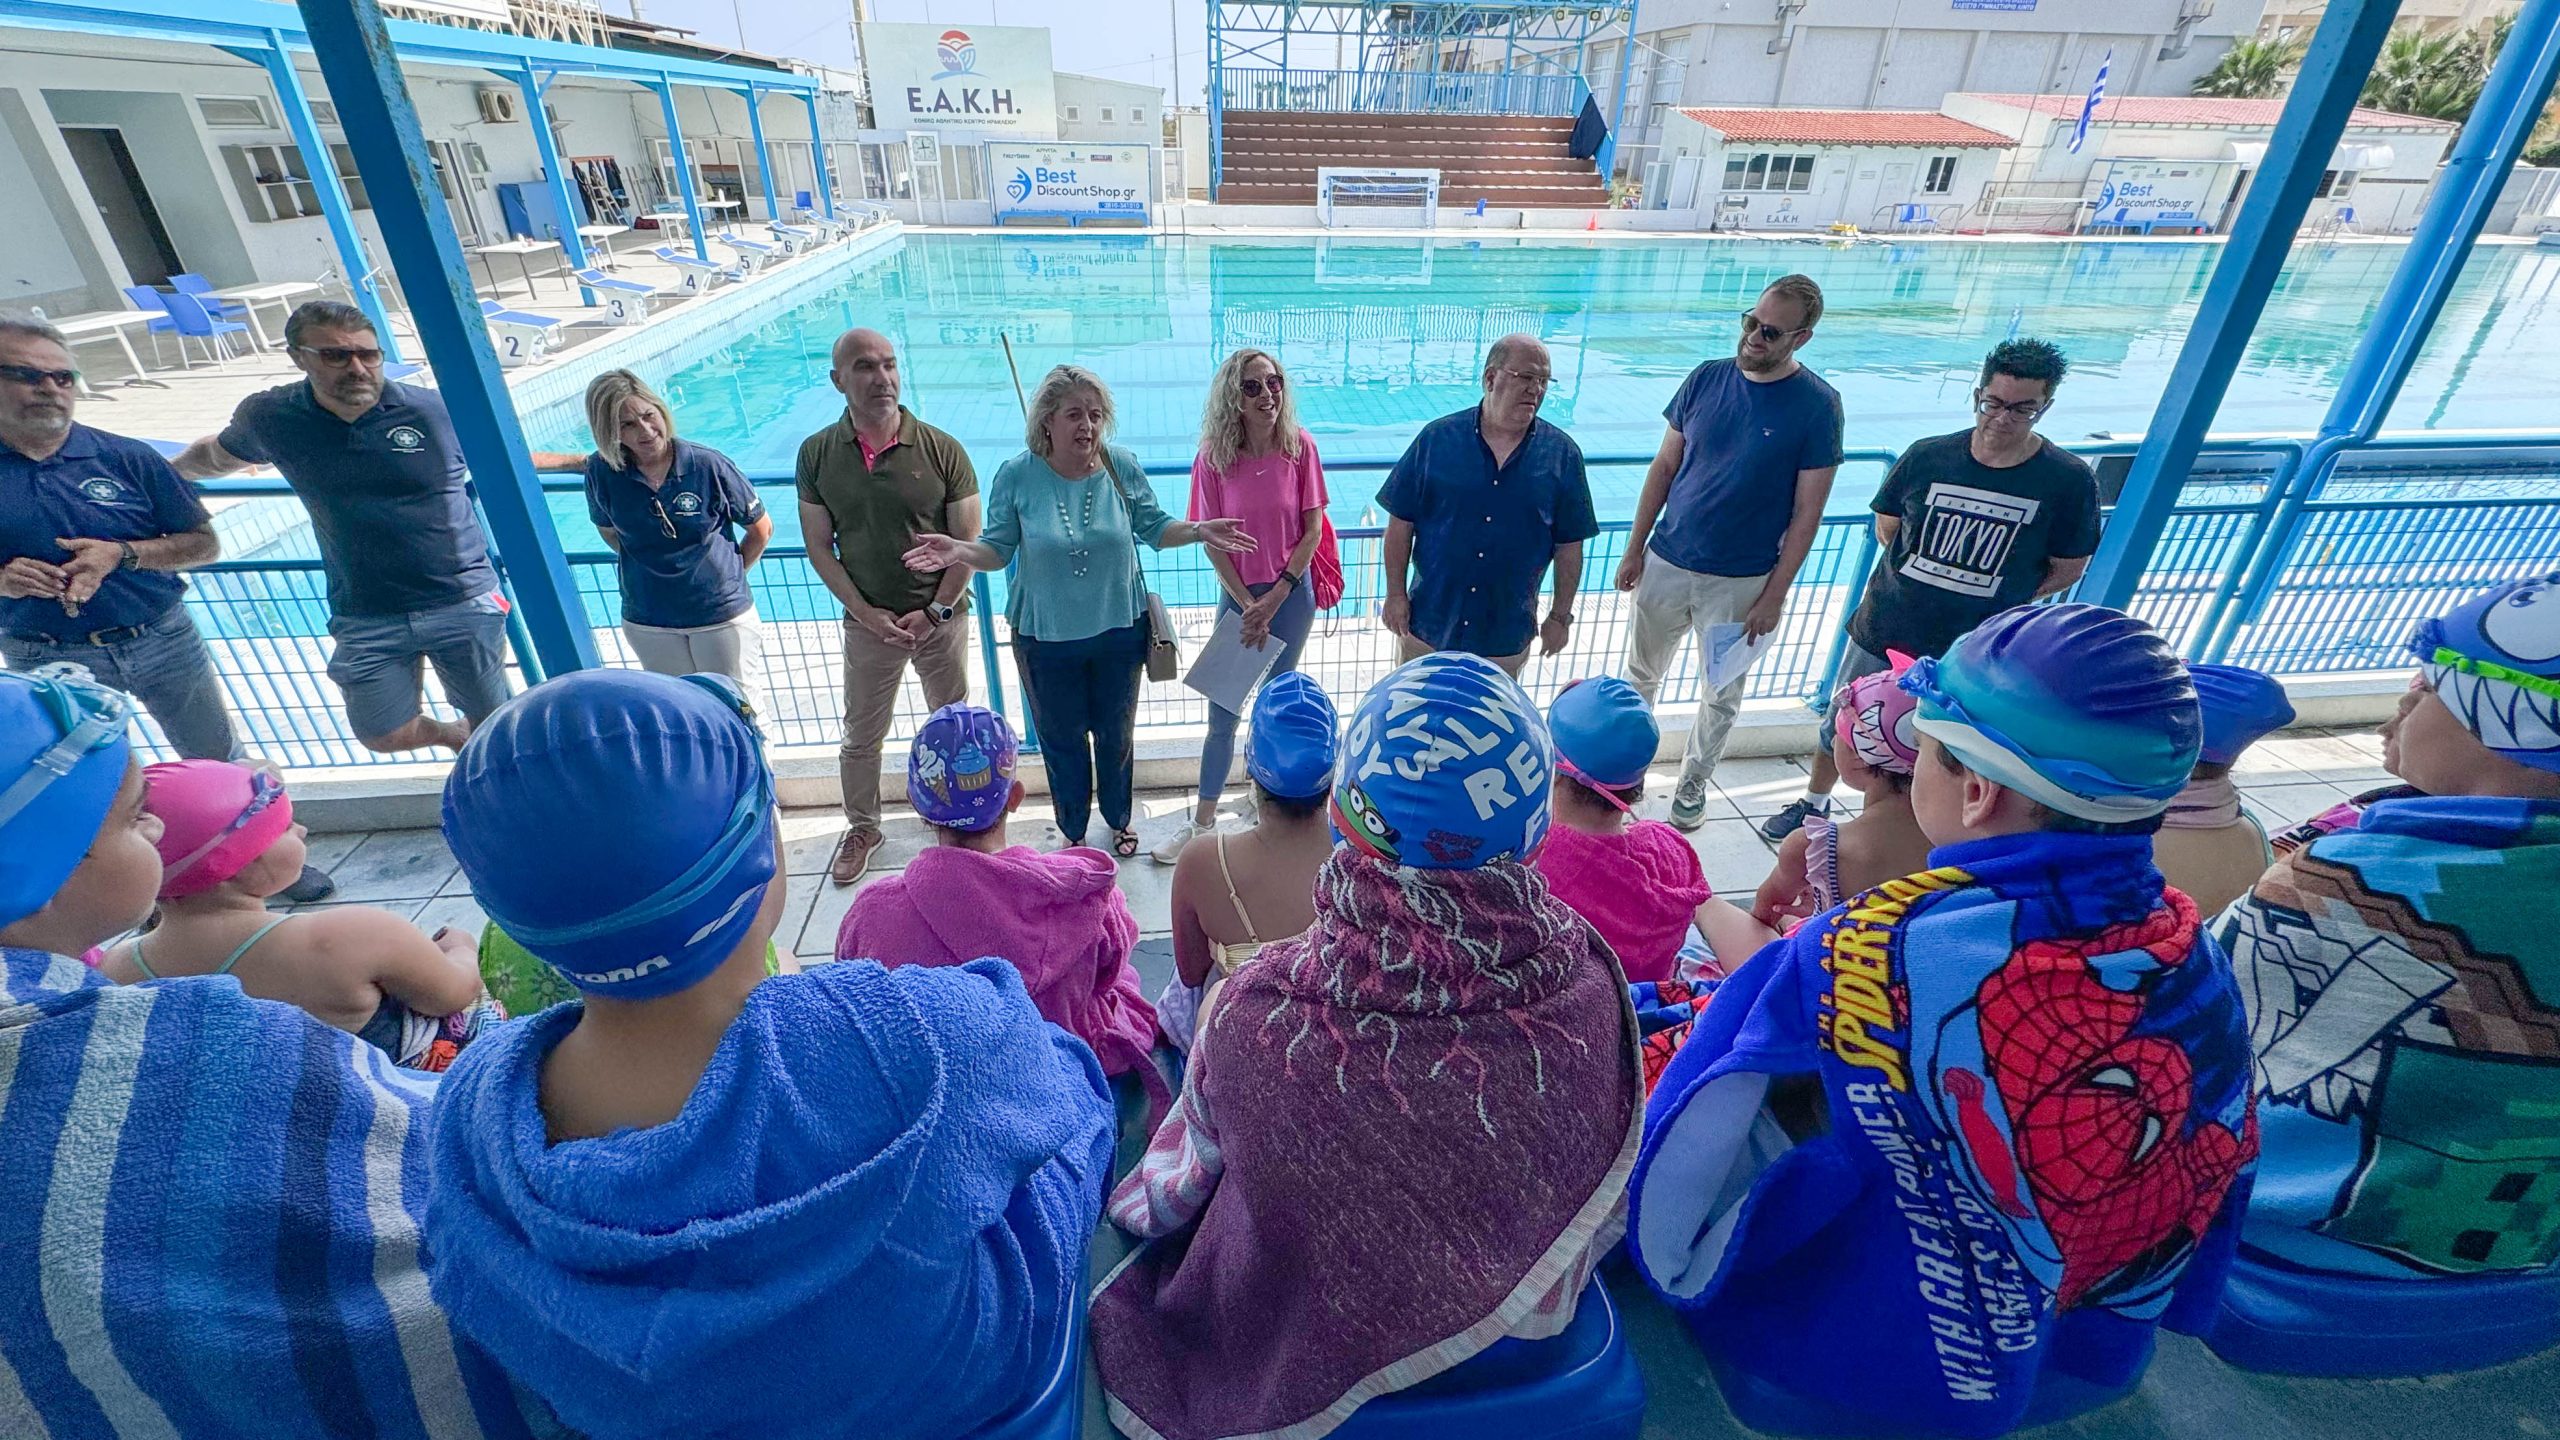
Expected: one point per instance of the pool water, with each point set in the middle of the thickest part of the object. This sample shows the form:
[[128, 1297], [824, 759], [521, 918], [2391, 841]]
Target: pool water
[[1380, 335]]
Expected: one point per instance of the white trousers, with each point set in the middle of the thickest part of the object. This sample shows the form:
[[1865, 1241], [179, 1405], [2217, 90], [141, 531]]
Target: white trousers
[[734, 647]]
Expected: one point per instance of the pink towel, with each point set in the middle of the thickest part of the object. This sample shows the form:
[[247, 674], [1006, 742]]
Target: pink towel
[[1639, 888], [1058, 918]]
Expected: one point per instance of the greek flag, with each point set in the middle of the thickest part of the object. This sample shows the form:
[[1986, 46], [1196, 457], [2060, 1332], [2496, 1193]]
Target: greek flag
[[2089, 107]]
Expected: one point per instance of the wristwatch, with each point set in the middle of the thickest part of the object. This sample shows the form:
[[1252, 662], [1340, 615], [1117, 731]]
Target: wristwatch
[[939, 613], [1296, 581], [131, 560]]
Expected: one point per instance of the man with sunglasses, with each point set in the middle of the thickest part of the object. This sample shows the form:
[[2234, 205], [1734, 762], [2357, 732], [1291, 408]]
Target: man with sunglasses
[[1971, 524], [410, 581], [1738, 489]]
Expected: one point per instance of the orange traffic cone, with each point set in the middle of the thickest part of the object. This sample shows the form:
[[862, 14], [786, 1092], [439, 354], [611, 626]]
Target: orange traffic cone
[[1594, 222]]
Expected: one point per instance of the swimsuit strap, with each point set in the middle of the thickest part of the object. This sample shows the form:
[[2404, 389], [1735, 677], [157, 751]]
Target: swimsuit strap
[[141, 964], [1232, 897], [225, 967]]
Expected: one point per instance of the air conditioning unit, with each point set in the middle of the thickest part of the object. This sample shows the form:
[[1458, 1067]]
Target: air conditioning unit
[[499, 105]]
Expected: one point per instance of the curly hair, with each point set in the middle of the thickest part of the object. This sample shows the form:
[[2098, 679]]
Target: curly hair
[[1052, 396], [1222, 416]]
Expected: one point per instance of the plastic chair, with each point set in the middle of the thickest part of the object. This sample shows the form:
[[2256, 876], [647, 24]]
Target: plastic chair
[[1056, 1410], [197, 323], [1580, 1385], [147, 300], [202, 289]]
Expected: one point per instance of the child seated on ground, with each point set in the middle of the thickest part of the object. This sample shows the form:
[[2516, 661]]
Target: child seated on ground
[[1059, 919], [1636, 881], [2404, 979], [1826, 861], [1402, 1136], [708, 1202], [2208, 845], [228, 844], [195, 1186], [2006, 1122], [1236, 896]]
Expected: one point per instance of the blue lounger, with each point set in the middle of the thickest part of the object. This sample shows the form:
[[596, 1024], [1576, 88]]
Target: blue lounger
[[523, 337], [624, 302], [1580, 1385], [695, 275], [754, 254]]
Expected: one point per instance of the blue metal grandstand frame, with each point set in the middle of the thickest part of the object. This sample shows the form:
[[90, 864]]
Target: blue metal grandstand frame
[[1409, 38]]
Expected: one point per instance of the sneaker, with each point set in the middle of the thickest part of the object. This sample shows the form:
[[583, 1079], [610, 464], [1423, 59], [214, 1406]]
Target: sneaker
[[1689, 803], [853, 856], [1788, 821], [1171, 850], [315, 885]]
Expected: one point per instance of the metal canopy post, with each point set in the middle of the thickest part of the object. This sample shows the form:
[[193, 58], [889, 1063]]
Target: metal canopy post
[[1217, 96], [334, 203], [764, 157], [2324, 94], [2465, 190], [381, 125], [546, 145], [666, 89], [818, 156], [1618, 112]]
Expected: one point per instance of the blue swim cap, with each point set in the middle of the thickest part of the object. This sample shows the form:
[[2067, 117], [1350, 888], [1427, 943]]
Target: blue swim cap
[[2494, 661], [960, 769], [63, 754], [619, 825], [1296, 736], [1604, 732], [1447, 767], [2083, 709], [2240, 705]]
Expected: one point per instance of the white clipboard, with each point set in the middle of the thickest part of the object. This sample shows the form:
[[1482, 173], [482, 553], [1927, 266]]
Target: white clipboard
[[1228, 670]]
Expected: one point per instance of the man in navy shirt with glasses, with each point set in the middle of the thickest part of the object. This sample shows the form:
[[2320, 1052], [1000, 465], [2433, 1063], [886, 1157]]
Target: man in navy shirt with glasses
[[94, 529]]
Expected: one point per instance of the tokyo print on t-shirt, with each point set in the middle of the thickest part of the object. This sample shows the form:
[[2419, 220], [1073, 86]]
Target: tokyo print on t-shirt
[[1974, 540]]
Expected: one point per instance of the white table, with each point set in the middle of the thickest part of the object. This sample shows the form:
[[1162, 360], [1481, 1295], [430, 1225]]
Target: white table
[[280, 294], [603, 235], [110, 324], [718, 209], [524, 251]]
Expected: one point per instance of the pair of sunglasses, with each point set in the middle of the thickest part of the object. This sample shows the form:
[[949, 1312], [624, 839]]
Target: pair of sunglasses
[[1254, 385], [32, 376]]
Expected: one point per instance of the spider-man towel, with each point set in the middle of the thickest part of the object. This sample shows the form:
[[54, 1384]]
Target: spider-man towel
[[2036, 1135]]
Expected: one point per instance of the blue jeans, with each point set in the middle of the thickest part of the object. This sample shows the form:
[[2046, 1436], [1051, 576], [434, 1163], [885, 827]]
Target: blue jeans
[[1289, 626], [1084, 698], [161, 662]]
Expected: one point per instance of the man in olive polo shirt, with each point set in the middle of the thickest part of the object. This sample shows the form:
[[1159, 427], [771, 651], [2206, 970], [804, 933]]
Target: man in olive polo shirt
[[868, 483]]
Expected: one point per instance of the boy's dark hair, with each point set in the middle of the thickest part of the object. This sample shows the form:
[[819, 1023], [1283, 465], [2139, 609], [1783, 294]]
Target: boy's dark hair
[[2048, 818], [1305, 809], [2027, 360], [1627, 795]]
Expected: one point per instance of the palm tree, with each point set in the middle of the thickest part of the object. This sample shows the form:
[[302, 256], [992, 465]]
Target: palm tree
[[2437, 76], [2250, 70]]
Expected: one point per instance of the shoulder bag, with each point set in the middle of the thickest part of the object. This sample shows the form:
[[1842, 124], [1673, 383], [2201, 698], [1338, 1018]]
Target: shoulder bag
[[1164, 657]]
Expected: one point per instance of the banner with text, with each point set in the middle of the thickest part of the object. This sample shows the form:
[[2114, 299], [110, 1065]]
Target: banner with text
[[962, 80], [2177, 193], [1077, 180]]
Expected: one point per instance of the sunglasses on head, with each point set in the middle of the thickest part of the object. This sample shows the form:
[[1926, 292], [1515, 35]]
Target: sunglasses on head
[[1255, 385], [32, 376], [342, 354], [1754, 325]]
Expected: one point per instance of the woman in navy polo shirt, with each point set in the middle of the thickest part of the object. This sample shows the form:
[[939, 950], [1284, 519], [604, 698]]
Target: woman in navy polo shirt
[[672, 510]]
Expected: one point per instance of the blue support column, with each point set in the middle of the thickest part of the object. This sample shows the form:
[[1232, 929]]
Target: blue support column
[[333, 194], [381, 123], [2333, 73], [818, 156], [666, 89], [764, 157], [2465, 190], [1618, 112], [1218, 95], [547, 146]]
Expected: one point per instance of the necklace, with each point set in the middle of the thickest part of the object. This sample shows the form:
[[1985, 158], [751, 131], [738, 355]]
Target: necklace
[[1079, 552]]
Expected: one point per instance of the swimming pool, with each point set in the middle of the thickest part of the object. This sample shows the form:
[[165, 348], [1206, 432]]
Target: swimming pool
[[1380, 335]]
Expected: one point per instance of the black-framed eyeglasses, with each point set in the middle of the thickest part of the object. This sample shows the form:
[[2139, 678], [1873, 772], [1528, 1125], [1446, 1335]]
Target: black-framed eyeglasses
[[1753, 325], [32, 376], [1991, 409], [1254, 385], [342, 355], [666, 523]]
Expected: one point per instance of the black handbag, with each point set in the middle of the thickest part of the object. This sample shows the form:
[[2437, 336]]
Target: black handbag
[[1164, 657]]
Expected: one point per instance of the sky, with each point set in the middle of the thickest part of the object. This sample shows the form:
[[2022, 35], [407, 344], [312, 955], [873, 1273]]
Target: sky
[[1115, 39]]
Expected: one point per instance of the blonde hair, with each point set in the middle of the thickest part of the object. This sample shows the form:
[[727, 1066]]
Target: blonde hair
[[605, 395], [1222, 418], [1051, 397]]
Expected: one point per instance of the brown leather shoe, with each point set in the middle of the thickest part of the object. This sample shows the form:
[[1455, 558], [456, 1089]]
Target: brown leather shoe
[[853, 856]]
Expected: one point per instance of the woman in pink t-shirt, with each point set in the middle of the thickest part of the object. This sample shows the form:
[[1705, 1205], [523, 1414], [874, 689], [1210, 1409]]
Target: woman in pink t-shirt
[[1255, 465]]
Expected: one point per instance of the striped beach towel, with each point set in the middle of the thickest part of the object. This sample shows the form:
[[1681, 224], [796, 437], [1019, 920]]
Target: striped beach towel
[[208, 1222]]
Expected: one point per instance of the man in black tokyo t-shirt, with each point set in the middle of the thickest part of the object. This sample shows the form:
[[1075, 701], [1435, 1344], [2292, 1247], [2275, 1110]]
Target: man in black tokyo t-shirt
[[1972, 524]]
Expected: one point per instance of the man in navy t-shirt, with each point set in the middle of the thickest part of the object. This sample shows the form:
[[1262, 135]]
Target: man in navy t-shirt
[[1729, 511], [377, 467]]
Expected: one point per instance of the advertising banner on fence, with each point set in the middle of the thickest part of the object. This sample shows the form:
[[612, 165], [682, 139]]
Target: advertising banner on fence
[[2175, 193], [1074, 180], [973, 79]]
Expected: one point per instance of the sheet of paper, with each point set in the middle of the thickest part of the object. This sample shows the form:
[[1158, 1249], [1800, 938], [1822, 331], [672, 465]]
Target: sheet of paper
[[1728, 654], [1228, 670]]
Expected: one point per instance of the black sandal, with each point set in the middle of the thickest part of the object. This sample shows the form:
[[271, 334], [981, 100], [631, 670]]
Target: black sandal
[[1124, 843]]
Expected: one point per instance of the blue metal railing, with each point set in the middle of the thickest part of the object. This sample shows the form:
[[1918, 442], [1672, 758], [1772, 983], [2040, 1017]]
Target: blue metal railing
[[2365, 567], [1400, 91]]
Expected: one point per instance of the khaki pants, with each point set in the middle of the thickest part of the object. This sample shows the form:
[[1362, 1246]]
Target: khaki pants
[[873, 671], [1408, 648], [1671, 605]]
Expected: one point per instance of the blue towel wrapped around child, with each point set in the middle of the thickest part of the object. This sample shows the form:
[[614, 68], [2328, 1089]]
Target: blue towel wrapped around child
[[869, 1219]]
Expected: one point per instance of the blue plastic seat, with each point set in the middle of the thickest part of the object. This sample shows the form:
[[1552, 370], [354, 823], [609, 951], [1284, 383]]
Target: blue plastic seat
[[194, 322], [1056, 1410], [1580, 1385], [202, 289]]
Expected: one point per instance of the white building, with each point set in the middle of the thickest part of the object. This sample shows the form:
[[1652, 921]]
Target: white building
[[1120, 112], [2183, 163], [1899, 55], [1795, 169]]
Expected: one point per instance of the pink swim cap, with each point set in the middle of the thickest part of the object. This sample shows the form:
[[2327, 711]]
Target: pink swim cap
[[216, 818], [1875, 717]]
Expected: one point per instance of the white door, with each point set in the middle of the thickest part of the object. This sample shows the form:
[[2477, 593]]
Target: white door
[[1858, 207], [1893, 190]]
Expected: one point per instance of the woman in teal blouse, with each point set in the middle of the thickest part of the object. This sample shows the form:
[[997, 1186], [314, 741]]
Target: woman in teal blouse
[[1067, 515]]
